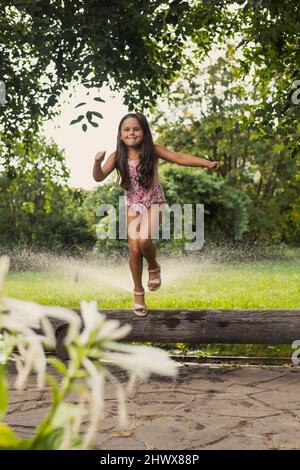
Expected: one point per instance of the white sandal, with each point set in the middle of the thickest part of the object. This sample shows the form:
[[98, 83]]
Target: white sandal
[[156, 283], [140, 309]]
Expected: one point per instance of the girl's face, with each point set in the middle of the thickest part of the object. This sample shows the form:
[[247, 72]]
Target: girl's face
[[131, 132]]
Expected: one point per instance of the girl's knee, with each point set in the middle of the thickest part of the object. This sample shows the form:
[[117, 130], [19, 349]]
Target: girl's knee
[[144, 243], [134, 250]]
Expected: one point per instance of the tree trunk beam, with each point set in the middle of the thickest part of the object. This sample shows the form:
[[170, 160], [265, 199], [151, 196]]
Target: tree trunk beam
[[202, 326]]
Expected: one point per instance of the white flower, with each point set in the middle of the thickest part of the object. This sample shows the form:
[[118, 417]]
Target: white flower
[[7, 346], [121, 396], [96, 323], [34, 359], [33, 315], [96, 384], [21, 319], [142, 360], [68, 416], [92, 320]]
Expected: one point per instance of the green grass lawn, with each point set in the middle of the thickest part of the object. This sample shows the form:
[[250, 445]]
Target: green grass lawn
[[264, 284]]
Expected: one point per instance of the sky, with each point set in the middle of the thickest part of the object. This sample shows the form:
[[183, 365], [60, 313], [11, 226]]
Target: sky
[[81, 147]]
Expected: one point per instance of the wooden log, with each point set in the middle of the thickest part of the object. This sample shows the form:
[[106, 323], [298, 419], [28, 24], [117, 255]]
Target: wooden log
[[243, 326]]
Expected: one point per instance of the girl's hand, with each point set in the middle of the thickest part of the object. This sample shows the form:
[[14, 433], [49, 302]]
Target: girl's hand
[[215, 165], [100, 156]]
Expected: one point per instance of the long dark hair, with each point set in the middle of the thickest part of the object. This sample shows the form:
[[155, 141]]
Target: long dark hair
[[148, 159]]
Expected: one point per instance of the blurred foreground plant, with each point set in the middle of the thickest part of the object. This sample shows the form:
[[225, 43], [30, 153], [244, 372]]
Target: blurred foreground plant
[[84, 375]]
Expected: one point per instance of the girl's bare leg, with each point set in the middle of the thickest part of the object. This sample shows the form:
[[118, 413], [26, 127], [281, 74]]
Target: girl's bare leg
[[149, 223], [135, 255]]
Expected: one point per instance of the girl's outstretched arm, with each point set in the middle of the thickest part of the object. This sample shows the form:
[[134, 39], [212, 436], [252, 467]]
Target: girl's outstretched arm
[[182, 159]]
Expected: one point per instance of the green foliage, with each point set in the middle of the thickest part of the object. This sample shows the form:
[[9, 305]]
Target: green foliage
[[8, 439], [269, 46], [140, 47], [51, 440], [37, 208], [246, 114], [135, 46], [225, 207], [213, 118], [108, 193]]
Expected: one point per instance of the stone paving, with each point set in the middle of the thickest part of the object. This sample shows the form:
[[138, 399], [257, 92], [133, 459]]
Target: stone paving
[[204, 407]]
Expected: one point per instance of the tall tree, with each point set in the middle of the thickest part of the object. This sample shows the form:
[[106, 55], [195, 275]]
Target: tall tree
[[134, 45], [139, 46], [211, 117]]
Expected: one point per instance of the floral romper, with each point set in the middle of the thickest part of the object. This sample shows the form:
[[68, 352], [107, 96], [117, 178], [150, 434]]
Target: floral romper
[[139, 198]]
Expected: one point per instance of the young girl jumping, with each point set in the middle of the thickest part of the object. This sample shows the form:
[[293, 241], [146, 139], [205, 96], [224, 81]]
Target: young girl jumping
[[136, 159]]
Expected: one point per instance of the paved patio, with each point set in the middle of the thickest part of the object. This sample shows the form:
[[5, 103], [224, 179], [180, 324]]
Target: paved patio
[[205, 407]]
